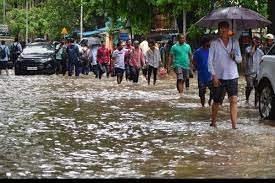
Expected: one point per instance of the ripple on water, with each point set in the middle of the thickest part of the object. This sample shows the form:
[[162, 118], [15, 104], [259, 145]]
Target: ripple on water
[[86, 128]]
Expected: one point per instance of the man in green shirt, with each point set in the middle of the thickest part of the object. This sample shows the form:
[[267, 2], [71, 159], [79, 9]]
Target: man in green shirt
[[180, 56]]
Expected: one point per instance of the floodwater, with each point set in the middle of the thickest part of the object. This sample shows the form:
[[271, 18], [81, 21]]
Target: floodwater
[[67, 127]]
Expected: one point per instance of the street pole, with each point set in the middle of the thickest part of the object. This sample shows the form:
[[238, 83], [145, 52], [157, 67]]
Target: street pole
[[27, 23], [81, 20], [183, 22]]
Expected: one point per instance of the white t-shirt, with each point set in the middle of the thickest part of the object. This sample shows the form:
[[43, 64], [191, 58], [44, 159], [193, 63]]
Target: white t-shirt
[[144, 47], [93, 54], [119, 58]]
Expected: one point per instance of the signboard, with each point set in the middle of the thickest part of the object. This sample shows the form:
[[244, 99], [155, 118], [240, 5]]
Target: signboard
[[64, 31], [124, 36]]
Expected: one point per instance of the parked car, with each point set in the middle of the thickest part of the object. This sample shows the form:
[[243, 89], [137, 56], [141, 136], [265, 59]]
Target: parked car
[[36, 58], [266, 85]]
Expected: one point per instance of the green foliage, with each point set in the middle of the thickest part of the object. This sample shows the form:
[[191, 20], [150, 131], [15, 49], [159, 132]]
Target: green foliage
[[50, 16]]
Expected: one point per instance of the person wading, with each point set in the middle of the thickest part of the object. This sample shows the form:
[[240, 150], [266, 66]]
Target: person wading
[[224, 54], [180, 56]]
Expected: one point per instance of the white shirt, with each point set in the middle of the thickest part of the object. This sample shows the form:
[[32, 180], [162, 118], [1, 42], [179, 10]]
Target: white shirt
[[144, 47], [7, 53], [219, 61], [93, 54], [119, 58], [253, 61], [153, 57]]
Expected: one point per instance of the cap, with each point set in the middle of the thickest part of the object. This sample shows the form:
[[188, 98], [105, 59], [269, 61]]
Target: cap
[[269, 36]]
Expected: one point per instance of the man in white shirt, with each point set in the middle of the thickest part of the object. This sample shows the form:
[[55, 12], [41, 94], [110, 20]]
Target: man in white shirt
[[153, 60], [119, 61], [224, 54], [253, 57]]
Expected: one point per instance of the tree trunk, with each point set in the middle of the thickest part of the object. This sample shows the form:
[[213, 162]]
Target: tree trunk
[[271, 16]]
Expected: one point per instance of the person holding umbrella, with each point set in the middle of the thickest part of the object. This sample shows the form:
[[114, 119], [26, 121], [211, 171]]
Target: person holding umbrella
[[224, 54]]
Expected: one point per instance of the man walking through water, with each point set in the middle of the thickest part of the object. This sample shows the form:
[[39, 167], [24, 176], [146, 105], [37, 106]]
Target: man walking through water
[[119, 61], [224, 54], [180, 56], [200, 61]]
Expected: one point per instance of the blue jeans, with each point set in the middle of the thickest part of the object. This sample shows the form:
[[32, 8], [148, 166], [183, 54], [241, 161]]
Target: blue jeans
[[128, 72], [74, 65], [134, 74]]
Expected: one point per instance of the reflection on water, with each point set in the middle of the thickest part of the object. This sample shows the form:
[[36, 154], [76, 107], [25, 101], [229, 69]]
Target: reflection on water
[[61, 127]]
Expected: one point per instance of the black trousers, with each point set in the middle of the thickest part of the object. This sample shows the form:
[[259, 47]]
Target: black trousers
[[155, 71]]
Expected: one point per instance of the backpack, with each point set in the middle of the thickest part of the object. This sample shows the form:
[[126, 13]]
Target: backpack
[[14, 49], [3, 53], [85, 56], [72, 53]]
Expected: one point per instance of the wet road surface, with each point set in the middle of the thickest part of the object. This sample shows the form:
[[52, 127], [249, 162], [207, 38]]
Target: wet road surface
[[62, 127]]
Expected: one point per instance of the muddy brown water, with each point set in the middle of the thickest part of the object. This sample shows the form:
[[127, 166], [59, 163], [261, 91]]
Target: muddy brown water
[[62, 127]]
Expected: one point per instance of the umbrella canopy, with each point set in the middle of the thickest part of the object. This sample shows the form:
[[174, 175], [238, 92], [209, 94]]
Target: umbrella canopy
[[91, 41], [244, 18]]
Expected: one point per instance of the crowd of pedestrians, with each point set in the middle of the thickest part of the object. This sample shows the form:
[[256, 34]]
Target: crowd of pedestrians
[[216, 62]]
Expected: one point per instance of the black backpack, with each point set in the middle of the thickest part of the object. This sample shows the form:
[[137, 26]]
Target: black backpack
[[3, 53], [14, 49]]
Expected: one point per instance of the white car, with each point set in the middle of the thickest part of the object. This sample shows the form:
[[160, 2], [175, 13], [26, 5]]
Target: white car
[[266, 85]]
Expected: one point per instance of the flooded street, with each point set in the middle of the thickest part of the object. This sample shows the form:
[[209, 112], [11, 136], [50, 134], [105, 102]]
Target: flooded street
[[62, 127]]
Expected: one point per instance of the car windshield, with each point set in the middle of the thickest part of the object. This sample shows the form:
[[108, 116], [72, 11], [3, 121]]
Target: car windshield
[[39, 48]]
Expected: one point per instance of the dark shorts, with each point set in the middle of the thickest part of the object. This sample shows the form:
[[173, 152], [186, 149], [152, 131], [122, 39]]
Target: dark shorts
[[182, 74], [3, 65], [229, 86], [119, 71], [202, 88]]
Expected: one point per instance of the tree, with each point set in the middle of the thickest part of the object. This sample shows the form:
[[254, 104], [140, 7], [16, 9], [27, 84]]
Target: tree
[[50, 16], [271, 16]]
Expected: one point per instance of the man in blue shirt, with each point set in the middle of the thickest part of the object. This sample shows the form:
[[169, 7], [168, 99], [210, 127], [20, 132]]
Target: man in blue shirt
[[200, 61]]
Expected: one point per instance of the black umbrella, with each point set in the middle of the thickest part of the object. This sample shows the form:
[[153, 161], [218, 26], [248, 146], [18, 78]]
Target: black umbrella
[[244, 18]]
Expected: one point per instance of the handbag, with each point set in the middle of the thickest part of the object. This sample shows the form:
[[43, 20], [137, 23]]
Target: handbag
[[162, 72]]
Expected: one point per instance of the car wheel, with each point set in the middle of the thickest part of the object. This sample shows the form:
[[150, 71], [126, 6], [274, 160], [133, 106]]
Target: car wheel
[[266, 107]]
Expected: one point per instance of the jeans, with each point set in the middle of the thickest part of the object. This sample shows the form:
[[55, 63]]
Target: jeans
[[95, 69], [154, 70], [128, 72], [74, 65], [104, 68], [134, 74]]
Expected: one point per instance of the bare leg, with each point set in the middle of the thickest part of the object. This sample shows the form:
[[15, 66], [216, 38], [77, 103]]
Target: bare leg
[[215, 109], [180, 84], [233, 110]]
